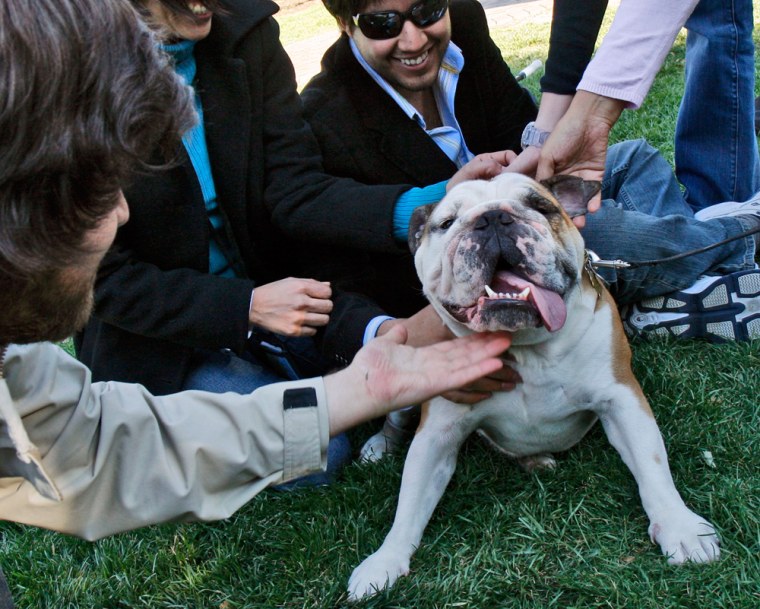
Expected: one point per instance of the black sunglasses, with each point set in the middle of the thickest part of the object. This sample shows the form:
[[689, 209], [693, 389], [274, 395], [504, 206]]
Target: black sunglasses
[[387, 24]]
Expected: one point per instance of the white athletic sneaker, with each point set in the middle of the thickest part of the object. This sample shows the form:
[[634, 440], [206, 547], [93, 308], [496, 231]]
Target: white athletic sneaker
[[717, 309]]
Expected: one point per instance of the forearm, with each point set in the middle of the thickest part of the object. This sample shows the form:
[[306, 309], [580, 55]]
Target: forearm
[[551, 109], [634, 49], [303, 200]]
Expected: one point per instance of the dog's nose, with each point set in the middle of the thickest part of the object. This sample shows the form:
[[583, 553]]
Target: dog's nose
[[493, 218]]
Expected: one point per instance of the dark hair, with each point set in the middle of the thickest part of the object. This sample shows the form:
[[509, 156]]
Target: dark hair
[[343, 10], [85, 98]]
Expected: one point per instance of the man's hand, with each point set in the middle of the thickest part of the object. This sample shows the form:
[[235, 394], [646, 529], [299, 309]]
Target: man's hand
[[426, 328], [387, 374], [578, 144], [483, 167], [291, 307]]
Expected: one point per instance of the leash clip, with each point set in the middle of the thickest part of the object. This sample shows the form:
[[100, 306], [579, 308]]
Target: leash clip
[[597, 282], [596, 262]]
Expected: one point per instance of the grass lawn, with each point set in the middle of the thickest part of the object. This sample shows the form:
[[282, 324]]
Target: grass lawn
[[572, 538]]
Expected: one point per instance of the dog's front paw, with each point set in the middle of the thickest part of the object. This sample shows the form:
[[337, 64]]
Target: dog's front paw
[[685, 537], [540, 462], [376, 572]]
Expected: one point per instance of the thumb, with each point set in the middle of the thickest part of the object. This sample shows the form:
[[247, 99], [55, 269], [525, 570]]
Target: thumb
[[546, 167], [503, 157], [397, 334]]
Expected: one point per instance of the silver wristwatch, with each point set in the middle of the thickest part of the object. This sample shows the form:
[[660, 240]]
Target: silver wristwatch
[[533, 136]]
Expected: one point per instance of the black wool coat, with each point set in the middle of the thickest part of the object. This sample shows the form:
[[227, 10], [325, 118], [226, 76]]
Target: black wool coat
[[155, 302]]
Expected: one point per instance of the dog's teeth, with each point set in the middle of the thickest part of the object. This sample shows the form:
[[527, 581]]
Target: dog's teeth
[[508, 295]]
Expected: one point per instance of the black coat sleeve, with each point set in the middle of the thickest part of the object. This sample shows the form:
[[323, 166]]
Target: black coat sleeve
[[302, 199], [154, 282], [488, 84], [575, 28]]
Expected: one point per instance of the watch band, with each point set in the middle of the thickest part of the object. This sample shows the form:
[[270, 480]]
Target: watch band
[[533, 136]]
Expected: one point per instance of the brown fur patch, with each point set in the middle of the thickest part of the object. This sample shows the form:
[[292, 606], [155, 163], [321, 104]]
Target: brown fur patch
[[621, 357]]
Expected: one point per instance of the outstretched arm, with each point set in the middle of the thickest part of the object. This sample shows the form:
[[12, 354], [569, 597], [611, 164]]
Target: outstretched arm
[[197, 455]]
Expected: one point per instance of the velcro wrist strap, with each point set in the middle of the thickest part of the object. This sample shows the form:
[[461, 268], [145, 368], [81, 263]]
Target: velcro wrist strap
[[302, 450], [303, 397]]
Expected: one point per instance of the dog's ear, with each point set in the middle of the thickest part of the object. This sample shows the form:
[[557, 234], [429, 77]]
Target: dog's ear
[[572, 192], [417, 225]]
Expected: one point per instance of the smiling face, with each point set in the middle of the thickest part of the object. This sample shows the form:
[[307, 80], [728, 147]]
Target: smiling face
[[179, 26], [410, 61]]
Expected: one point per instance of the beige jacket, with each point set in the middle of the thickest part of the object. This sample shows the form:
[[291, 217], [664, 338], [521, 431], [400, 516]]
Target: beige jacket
[[93, 459]]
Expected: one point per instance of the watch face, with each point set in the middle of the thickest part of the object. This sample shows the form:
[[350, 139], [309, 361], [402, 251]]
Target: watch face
[[532, 136]]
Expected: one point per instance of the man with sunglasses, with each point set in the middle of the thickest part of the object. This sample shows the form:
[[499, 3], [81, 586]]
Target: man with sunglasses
[[411, 90]]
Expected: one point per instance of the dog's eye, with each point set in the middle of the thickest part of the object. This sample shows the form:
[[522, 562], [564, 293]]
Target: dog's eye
[[542, 205], [446, 224]]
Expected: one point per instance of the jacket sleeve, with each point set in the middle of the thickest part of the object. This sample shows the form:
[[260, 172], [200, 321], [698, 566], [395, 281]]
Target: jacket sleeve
[[575, 28], [635, 47], [344, 335], [513, 105], [181, 305], [122, 458], [304, 201]]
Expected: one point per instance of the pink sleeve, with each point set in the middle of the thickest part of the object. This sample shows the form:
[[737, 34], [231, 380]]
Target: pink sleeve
[[635, 47]]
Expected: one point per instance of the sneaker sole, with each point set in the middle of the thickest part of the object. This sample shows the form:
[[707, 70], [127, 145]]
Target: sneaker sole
[[718, 309]]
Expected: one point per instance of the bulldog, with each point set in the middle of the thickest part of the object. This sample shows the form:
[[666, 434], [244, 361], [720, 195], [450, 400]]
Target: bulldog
[[505, 255]]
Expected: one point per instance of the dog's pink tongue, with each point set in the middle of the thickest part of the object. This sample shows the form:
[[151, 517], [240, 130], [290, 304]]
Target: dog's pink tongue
[[549, 305]]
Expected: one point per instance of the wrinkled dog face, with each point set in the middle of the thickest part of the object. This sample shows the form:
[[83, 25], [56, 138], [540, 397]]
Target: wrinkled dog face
[[502, 254]]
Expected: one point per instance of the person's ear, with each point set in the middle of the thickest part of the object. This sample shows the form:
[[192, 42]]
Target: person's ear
[[346, 26]]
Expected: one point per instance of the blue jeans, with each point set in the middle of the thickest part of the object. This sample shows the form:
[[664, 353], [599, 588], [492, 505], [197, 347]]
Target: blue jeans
[[644, 216], [715, 144], [223, 371]]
